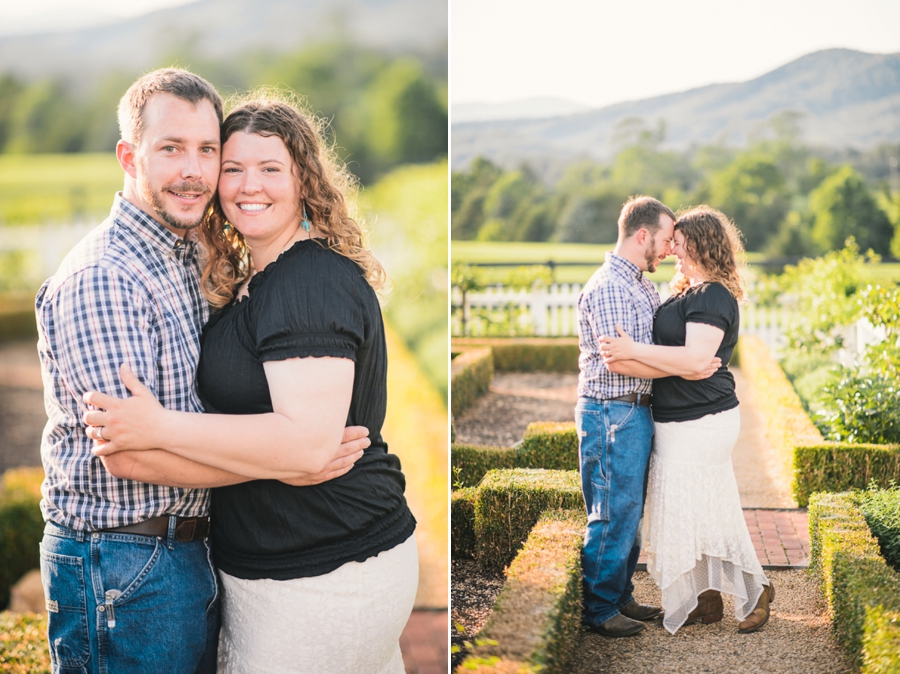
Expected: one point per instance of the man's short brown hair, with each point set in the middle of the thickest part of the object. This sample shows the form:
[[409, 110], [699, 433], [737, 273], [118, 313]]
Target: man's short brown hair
[[641, 212], [181, 83]]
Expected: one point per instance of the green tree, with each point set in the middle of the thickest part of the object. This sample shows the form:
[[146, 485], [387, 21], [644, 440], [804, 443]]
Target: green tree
[[592, 216], [844, 207], [751, 191], [468, 190], [408, 120], [45, 119]]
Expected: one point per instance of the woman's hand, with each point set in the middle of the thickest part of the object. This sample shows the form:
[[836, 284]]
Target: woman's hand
[[124, 423], [613, 349]]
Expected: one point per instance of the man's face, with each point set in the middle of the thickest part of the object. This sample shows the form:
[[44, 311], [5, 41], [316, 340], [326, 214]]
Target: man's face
[[177, 160], [659, 245]]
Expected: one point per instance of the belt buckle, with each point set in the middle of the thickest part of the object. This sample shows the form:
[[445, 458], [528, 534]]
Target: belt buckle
[[184, 530]]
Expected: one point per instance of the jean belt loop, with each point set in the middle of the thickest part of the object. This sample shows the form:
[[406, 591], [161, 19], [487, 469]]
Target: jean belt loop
[[170, 537], [80, 535]]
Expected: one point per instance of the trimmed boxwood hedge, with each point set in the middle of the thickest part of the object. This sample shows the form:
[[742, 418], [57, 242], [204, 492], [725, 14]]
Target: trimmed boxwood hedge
[[23, 643], [813, 464], [862, 592], [787, 423], [527, 354], [537, 617], [509, 502], [471, 375], [837, 467], [21, 525], [462, 523], [546, 444]]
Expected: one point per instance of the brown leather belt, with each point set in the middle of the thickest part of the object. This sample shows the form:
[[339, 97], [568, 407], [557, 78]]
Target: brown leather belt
[[187, 529], [642, 399]]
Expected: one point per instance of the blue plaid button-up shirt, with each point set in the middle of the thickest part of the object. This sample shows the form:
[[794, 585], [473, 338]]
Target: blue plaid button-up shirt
[[127, 293], [617, 294]]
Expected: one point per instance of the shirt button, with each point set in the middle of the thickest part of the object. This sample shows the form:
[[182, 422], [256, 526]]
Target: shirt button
[[179, 243]]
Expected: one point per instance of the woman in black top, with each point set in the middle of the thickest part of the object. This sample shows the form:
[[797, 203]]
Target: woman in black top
[[315, 578], [698, 544]]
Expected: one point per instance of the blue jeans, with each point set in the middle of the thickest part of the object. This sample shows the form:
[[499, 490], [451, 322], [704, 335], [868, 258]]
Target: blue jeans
[[128, 603], [615, 438]]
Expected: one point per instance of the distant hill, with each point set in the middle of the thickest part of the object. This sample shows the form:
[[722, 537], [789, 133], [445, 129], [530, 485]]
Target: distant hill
[[530, 108], [218, 28], [849, 99]]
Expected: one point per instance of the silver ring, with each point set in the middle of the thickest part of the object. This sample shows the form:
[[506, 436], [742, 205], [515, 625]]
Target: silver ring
[[100, 433]]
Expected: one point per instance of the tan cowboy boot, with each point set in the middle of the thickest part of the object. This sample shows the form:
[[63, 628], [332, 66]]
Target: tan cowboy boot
[[709, 608], [760, 614]]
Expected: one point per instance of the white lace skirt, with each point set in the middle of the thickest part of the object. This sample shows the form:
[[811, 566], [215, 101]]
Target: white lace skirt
[[346, 621], [694, 528]]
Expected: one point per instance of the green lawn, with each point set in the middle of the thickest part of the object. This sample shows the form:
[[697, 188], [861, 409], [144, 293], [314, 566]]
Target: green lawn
[[57, 187], [592, 255]]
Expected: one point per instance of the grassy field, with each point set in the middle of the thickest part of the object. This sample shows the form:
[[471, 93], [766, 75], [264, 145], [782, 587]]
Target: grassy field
[[57, 187], [593, 255]]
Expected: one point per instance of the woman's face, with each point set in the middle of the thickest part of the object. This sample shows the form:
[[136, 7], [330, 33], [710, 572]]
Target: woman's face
[[683, 262], [259, 190]]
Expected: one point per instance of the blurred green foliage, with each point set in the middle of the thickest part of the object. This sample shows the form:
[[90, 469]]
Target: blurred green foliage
[[788, 199], [386, 109], [853, 399], [407, 215]]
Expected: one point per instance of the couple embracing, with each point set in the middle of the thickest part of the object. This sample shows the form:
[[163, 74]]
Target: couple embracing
[[315, 558], [679, 456]]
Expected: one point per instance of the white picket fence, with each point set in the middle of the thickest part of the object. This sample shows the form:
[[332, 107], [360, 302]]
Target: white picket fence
[[45, 245], [551, 312]]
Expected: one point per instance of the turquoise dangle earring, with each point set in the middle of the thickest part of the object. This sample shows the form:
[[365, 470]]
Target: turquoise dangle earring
[[305, 223], [227, 227]]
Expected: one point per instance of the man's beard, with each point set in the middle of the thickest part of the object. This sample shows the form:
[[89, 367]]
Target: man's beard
[[651, 257], [155, 199]]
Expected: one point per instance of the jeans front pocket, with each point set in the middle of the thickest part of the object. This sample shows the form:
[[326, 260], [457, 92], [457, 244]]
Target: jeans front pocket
[[67, 628], [593, 458]]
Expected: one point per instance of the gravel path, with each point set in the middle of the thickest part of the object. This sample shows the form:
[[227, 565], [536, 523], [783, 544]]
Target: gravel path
[[797, 638]]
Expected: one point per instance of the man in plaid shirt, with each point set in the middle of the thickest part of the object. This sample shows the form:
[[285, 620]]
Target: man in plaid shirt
[[125, 558], [613, 418]]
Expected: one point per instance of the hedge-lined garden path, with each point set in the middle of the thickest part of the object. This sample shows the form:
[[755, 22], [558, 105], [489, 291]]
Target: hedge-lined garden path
[[424, 641], [798, 637]]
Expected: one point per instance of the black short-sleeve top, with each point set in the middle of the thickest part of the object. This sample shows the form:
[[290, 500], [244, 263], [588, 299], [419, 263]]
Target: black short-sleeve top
[[311, 302], [677, 399]]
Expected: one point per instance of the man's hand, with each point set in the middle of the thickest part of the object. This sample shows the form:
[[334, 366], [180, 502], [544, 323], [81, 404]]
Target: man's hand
[[710, 370], [353, 445]]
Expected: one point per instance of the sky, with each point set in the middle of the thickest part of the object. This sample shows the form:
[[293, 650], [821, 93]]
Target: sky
[[600, 52], [33, 15]]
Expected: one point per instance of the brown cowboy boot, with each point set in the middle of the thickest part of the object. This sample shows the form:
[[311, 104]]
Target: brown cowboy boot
[[709, 608], [760, 614]]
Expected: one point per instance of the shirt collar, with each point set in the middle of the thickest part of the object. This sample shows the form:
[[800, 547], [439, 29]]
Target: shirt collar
[[623, 267], [142, 224]]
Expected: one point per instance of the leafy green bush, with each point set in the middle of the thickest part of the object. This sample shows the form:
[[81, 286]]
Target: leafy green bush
[[861, 406], [509, 502], [472, 372], [881, 508], [23, 643], [21, 525], [537, 617], [858, 585]]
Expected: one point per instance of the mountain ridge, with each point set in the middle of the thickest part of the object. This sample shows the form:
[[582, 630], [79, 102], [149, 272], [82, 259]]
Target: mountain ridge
[[847, 98]]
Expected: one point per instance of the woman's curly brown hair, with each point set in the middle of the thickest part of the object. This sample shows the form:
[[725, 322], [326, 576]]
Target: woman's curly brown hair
[[714, 244], [325, 183]]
